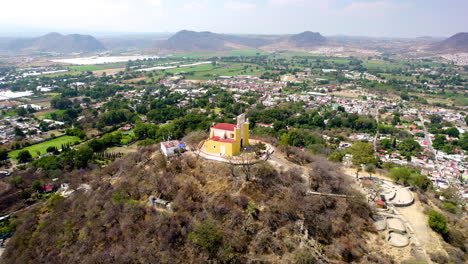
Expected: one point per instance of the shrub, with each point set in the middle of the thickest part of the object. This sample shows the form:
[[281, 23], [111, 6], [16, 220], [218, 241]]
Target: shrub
[[23, 195], [438, 222], [450, 207], [207, 237]]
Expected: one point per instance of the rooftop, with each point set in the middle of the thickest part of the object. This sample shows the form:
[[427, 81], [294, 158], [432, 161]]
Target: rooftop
[[225, 126]]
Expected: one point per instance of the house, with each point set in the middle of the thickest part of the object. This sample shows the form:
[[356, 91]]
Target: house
[[172, 148], [228, 139], [48, 188]]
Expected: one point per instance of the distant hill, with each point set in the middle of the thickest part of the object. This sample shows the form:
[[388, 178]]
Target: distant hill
[[456, 43], [55, 42], [191, 41], [308, 39]]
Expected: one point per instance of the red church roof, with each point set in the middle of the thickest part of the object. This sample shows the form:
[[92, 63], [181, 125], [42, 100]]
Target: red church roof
[[224, 126]]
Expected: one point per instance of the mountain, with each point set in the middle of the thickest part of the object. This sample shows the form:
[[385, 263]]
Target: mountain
[[456, 43], [308, 39], [186, 40], [55, 42], [300, 42], [191, 41]]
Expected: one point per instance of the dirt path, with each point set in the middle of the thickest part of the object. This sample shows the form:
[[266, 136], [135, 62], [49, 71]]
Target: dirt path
[[414, 214]]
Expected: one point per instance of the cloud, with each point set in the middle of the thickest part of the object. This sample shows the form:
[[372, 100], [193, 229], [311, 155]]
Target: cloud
[[194, 5], [372, 9], [156, 3], [238, 6]]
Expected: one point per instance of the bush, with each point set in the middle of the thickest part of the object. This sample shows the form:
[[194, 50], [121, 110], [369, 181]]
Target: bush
[[24, 195], [450, 207], [438, 222], [207, 237], [336, 157]]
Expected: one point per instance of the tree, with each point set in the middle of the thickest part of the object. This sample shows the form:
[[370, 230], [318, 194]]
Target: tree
[[438, 222], [370, 169], [207, 237], [60, 103], [435, 119], [386, 143], [439, 141], [24, 156], [19, 132], [336, 157], [16, 181], [409, 145], [82, 156], [363, 154], [3, 154], [37, 186], [453, 132]]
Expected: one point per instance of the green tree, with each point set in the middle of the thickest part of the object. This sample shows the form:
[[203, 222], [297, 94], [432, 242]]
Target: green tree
[[207, 237], [24, 156], [386, 143], [3, 154], [370, 169], [336, 157], [438, 222], [453, 132], [82, 156], [435, 119], [363, 154], [16, 181], [409, 145], [37, 185]]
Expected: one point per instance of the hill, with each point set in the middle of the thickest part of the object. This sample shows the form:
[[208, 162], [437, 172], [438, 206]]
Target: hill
[[55, 42], [219, 213], [454, 44], [191, 41], [308, 39]]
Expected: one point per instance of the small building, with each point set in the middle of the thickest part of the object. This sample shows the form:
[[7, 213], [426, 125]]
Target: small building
[[48, 188], [228, 139], [172, 148]]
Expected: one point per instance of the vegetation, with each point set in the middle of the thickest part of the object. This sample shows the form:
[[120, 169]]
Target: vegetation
[[225, 222]]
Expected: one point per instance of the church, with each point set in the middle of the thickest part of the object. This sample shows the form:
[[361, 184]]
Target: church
[[228, 139]]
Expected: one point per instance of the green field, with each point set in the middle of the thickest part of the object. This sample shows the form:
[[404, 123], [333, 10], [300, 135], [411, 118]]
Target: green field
[[49, 115], [208, 71], [97, 67], [42, 147], [70, 73]]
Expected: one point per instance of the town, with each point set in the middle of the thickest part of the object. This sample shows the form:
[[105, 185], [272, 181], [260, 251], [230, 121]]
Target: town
[[254, 149]]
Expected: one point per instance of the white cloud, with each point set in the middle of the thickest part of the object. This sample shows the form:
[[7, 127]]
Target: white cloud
[[194, 5], [156, 3], [238, 6], [372, 9]]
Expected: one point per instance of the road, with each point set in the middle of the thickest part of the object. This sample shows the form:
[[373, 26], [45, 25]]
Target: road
[[429, 142]]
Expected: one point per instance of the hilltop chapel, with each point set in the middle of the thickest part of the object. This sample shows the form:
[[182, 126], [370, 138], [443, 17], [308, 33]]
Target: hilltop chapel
[[228, 139]]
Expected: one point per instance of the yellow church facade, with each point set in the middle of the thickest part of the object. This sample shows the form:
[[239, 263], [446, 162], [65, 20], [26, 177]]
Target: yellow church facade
[[228, 139]]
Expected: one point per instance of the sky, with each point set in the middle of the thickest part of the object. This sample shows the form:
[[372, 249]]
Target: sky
[[377, 18]]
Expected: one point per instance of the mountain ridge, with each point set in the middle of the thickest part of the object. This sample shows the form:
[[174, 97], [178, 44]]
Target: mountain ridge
[[56, 42], [193, 41]]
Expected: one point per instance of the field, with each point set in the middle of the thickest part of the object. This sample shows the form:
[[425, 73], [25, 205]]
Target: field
[[70, 73], [97, 67], [46, 114], [209, 71], [39, 149]]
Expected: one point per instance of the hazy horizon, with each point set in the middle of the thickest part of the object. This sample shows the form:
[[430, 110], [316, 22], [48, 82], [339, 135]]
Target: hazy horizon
[[370, 18]]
